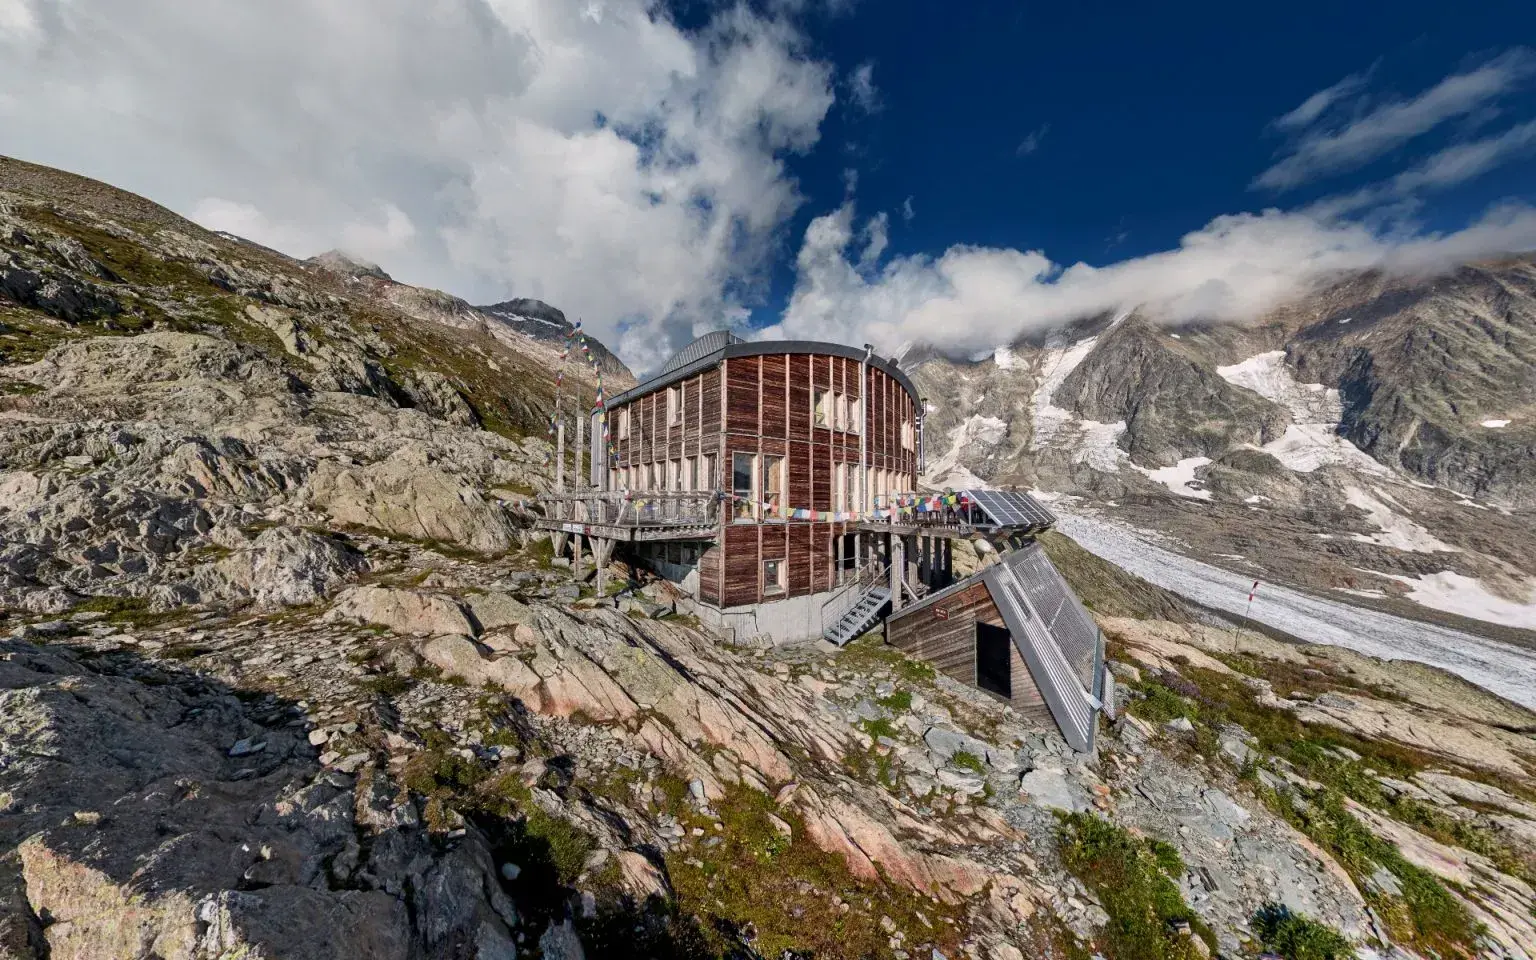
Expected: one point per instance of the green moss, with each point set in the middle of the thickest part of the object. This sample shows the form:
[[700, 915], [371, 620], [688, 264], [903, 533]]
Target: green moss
[[969, 761], [789, 890], [1296, 936], [387, 684], [1160, 704], [1136, 881], [899, 701], [880, 727]]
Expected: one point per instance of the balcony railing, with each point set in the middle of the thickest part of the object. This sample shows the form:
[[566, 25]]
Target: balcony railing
[[620, 508]]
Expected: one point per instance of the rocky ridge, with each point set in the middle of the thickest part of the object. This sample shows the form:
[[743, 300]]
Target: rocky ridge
[[1371, 440], [287, 675]]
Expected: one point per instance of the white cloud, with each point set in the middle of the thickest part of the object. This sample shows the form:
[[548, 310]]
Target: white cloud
[[1319, 103], [861, 88], [1032, 140], [1321, 152], [1465, 161], [592, 154], [972, 299], [907, 212]]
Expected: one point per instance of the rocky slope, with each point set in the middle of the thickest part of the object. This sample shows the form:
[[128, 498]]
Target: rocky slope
[[1375, 437], [285, 675]]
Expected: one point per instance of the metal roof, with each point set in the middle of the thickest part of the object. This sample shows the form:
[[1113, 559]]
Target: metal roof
[[701, 348], [685, 363], [1055, 636]]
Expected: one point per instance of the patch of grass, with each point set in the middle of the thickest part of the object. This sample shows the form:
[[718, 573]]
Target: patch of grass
[[1296, 936], [1137, 882], [969, 761], [1160, 704], [788, 891], [1428, 916], [120, 611], [183, 651], [899, 701], [388, 684], [880, 727]]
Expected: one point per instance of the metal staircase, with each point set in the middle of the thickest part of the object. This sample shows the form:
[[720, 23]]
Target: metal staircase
[[864, 614]]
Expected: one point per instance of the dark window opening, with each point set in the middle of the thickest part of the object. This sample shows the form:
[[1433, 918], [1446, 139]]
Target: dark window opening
[[993, 659]]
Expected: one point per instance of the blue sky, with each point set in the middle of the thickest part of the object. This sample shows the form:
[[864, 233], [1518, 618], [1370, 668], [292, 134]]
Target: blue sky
[[1102, 132], [659, 171]]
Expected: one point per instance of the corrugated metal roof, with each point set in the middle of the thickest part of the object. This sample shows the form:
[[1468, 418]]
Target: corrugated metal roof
[[1060, 643], [700, 348]]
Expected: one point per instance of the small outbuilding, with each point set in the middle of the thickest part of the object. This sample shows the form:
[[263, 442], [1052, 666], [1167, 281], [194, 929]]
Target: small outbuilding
[[1014, 629]]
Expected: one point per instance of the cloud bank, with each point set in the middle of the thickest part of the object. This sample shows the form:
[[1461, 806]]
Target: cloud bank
[[593, 154], [972, 299]]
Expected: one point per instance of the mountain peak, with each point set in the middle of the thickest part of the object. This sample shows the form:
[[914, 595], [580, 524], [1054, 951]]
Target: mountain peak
[[347, 265]]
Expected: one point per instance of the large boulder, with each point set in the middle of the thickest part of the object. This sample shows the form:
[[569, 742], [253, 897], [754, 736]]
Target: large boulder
[[410, 612], [286, 566], [413, 500]]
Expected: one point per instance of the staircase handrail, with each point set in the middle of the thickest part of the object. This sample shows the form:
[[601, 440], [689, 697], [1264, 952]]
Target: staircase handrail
[[866, 578]]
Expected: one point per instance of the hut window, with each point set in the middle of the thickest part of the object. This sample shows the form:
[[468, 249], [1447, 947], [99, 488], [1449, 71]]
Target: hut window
[[624, 423], [840, 488], [674, 405], [707, 472], [690, 474], [773, 576], [907, 440], [773, 481], [742, 465], [823, 410]]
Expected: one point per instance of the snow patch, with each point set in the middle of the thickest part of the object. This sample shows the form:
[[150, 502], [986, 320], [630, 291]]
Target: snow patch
[[1345, 320], [1505, 669], [1180, 478], [1495, 424], [1255, 499], [1313, 440], [973, 438], [1005, 358], [1455, 593], [1397, 531]]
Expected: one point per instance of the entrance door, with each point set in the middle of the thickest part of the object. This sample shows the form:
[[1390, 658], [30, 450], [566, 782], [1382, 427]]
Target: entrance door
[[993, 646]]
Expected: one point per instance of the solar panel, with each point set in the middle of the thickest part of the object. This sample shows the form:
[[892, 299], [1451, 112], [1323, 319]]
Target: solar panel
[[1013, 509]]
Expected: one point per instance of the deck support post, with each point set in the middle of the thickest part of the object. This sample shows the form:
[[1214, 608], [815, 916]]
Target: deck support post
[[559, 454], [898, 569], [602, 553], [581, 431], [576, 557]]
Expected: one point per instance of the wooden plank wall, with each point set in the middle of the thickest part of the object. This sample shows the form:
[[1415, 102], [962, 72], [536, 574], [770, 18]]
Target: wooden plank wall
[[764, 405], [1026, 695], [948, 644]]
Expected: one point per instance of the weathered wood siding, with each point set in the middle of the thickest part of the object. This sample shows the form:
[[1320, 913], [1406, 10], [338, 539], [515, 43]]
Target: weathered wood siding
[[950, 644], [765, 405]]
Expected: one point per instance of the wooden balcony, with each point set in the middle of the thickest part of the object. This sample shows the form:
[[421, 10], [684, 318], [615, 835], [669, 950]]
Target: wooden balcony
[[621, 515]]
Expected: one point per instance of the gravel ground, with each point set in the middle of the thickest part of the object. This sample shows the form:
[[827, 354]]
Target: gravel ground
[[1504, 669]]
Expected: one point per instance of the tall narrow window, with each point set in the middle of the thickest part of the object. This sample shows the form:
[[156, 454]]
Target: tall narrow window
[[773, 482], [840, 487], [773, 576], [674, 405], [822, 415], [708, 479], [624, 423], [742, 487], [690, 474]]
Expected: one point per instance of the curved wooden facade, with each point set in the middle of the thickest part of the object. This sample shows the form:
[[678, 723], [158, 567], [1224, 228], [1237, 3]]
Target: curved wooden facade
[[795, 425]]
